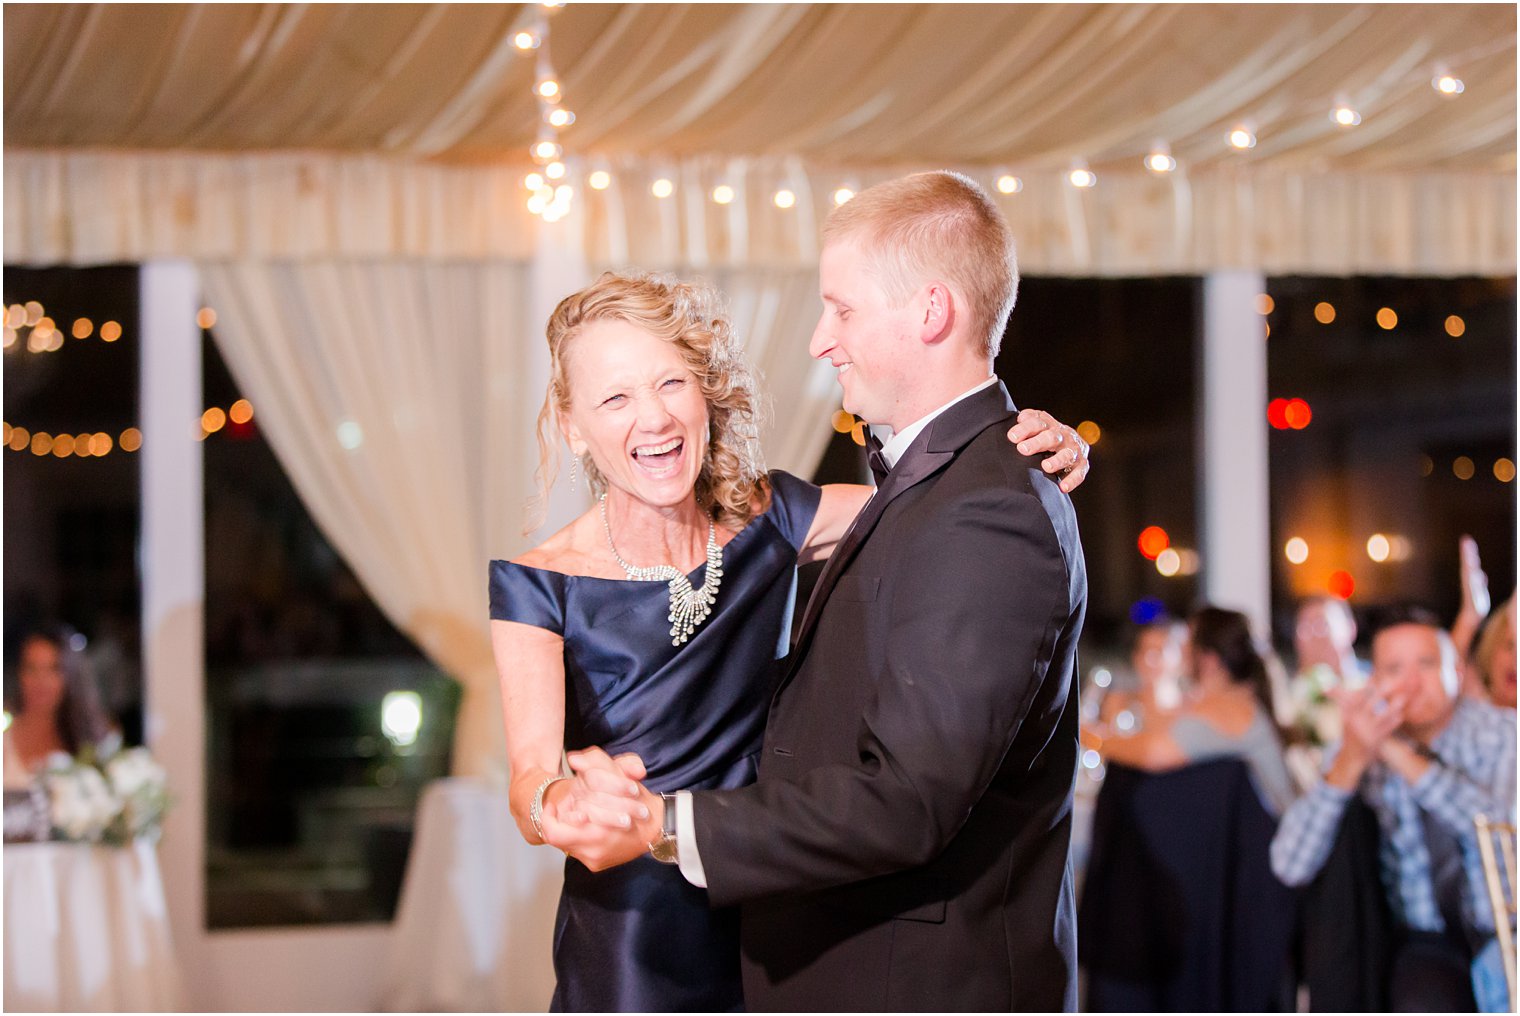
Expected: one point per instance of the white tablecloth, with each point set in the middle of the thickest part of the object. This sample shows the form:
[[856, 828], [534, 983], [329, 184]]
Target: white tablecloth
[[87, 930], [474, 926]]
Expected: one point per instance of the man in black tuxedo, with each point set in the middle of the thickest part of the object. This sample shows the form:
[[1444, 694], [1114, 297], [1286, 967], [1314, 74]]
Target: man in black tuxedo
[[907, 844]]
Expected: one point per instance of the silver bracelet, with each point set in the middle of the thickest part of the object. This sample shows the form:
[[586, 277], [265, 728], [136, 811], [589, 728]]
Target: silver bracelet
[[536, 809]]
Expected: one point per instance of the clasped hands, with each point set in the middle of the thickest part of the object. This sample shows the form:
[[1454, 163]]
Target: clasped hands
[[1370, 725], [603, 816]]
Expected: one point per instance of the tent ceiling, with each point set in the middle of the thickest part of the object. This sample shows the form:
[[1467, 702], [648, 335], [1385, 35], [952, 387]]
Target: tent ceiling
[[1024, 85]]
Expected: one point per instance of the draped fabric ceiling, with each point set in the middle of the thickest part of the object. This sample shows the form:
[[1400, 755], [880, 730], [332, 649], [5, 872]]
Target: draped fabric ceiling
[[810, 96]]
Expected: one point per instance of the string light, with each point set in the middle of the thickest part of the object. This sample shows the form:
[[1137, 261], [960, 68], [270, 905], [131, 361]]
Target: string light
[[600, 180], [1387, 319], [1007, 184], [1241, 138], [662, 188], [1296, 550], [1160, 160], [723, 194], [1265, 304], [110, 331], [1447, 85], [550, 204], [1324, 312], [83, 328], [784, 198], [1455, 326], [1345, 116], [842, 195], [206, 318], [1082, 178]]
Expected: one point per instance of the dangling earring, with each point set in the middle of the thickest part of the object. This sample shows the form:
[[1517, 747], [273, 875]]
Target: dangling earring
[[575, 467]]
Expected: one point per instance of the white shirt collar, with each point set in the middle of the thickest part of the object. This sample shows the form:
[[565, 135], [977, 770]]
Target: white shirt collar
[[893, 445]]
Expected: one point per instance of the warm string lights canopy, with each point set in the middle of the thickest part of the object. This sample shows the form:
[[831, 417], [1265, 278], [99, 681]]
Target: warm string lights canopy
[[1342, 110], [549, 192]]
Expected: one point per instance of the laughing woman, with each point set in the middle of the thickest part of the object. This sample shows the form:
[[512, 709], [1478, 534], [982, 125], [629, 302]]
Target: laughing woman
[[651, 623]]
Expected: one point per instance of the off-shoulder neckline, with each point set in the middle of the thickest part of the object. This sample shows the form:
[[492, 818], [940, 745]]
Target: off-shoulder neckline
[[636, 582]]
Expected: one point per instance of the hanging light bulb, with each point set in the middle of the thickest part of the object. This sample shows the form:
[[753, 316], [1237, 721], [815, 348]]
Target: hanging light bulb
[[526, 41], [1160, 160], [1008, 184], [599, 179], [547, 151], [533, 181], [560, 117], [555, 171], [1081, 177], [1345, 116], [1241, 138], [723, 194], [1447, 84], [547, 88]]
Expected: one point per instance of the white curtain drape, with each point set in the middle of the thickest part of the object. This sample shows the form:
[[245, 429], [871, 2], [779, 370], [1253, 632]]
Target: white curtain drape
[[399, 398]]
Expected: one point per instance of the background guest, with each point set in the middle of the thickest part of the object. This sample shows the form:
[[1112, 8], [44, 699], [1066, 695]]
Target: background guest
[[55, 706], [1227, 712], [1491, 664], [1425, 760], [1156, 660]]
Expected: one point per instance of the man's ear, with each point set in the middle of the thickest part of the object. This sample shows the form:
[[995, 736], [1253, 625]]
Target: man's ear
[[938, 313]]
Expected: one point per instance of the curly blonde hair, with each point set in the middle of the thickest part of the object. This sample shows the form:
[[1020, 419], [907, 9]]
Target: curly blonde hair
[[732, 486]]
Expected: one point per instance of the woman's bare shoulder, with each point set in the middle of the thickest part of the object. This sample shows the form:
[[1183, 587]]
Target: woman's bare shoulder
[[571, 551]]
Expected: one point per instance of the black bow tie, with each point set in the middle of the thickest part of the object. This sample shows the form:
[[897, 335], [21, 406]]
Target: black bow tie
[[878, 461]]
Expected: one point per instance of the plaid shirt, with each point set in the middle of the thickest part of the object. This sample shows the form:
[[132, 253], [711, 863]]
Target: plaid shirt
[[1476, 774]]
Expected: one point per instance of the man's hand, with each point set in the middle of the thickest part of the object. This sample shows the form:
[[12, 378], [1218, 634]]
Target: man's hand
[[1367, 721], [1037, 432]]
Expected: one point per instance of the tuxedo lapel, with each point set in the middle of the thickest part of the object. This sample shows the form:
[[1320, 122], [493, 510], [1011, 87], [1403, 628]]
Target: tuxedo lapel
[[934, 449]]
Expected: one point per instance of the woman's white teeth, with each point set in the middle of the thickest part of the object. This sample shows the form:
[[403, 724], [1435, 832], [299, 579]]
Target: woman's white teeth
[[668, 446]]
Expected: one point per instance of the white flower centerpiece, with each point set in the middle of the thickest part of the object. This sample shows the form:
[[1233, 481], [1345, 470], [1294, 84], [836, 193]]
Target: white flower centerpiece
[[111, 796]]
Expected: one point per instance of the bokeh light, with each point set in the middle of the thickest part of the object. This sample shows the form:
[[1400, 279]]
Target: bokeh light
[[1153, 540]]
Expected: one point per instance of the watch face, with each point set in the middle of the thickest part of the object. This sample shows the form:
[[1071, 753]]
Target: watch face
[[664, 850]]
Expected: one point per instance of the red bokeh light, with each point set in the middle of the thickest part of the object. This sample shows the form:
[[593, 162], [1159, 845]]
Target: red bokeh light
[[1277, 413], [1342, 584], [1153, 540], [1297, 414]]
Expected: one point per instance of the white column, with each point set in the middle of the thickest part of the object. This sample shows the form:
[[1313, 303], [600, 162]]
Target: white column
[[1232, 449], [173, 588]]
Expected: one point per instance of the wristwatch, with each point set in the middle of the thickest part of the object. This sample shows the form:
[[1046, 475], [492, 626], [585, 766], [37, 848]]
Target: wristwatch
[[663, 849]]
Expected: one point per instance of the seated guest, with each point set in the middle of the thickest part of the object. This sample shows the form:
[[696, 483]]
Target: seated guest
[[1426, 761], [1156, 660], [1491, 664], [1227, 712], [56, 706]]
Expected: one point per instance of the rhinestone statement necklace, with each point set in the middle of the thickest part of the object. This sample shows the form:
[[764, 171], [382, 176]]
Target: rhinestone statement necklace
[[688, 607]]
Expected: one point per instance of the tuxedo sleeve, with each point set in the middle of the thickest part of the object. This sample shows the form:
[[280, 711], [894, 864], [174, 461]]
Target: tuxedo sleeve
[[982, 601]]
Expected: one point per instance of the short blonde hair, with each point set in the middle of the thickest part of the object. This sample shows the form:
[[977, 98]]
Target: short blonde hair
[[732, 485], [937, 225]]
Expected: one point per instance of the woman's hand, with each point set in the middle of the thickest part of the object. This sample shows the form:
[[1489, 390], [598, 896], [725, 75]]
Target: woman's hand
[[1037, 432]]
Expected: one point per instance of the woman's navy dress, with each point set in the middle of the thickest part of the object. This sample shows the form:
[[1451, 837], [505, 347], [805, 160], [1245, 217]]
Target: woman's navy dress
[[640, 937]]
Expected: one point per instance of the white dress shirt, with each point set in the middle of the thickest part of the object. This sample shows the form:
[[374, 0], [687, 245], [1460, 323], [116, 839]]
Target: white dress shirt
[[892, 447]]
